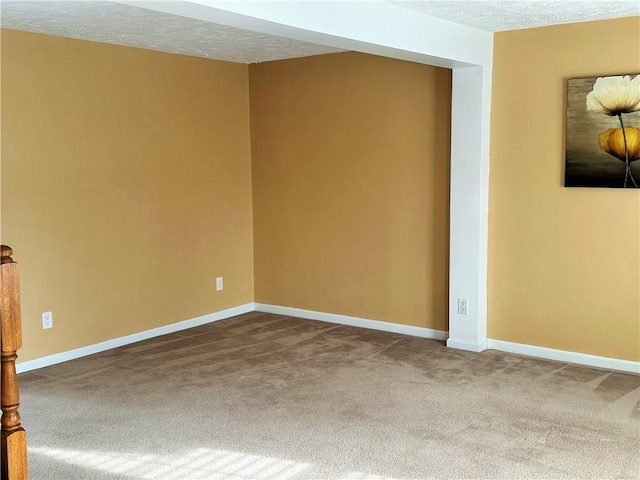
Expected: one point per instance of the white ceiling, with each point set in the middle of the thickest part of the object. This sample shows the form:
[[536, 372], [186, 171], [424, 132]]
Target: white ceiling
[[116, 23], [111, 22], [502, 15]]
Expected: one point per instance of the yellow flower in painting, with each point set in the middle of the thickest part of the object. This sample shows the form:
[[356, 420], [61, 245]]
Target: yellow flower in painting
[[615, 95], [612, 142]]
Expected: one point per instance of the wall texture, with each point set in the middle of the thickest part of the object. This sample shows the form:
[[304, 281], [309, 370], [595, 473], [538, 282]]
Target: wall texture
[[350, 162], [126, 187], [564, 263]]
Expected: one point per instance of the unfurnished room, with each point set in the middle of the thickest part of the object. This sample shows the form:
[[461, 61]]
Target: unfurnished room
[[360, 240]]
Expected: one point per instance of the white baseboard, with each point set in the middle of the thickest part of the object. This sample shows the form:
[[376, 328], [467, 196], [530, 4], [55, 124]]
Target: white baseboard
[[469, 346], [565, 356], [354, 321], [518, 348], [136, 337], [510, 347]]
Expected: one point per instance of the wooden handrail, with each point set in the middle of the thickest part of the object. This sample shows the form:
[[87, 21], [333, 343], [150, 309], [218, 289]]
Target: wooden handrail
[[13, 448]]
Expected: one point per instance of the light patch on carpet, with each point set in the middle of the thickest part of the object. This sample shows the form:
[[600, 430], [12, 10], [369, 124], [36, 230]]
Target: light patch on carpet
[[201, 463]]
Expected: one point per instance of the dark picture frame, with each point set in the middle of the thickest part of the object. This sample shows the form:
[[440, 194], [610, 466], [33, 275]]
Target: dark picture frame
[[599, 153]]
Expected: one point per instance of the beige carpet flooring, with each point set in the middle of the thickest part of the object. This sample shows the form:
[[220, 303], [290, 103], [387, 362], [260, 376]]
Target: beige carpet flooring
[[263, 396]]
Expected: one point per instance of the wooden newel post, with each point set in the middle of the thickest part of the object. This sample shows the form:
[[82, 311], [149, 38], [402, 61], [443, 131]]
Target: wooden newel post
[[13, 449]]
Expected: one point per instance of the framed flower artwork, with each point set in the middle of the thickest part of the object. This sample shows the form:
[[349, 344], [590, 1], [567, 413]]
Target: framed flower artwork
[[603, 132]]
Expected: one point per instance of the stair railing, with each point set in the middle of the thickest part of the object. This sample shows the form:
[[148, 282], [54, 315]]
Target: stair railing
[[13, 448]]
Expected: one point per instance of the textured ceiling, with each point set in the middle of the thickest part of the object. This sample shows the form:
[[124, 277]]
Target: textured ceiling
[[497, 16], [110, 22]]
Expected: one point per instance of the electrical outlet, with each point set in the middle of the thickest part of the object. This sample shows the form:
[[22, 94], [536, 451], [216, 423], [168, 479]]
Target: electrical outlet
[[219, 284], [47, 320], [463, 306]]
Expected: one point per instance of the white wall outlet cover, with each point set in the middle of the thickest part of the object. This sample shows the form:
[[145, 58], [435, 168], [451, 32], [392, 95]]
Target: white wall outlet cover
[[47, 320], [219, 283], [463, 306]]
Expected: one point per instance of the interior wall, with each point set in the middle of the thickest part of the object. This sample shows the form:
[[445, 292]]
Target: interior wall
[[564, 263], [126, 187], [350, 165]]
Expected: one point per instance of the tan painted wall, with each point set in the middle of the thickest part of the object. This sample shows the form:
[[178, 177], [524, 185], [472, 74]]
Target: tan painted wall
[[126, 187], [564, 263], [350, 163]]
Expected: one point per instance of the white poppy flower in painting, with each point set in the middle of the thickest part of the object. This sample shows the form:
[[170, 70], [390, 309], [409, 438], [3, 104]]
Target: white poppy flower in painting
[[615, 95]]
